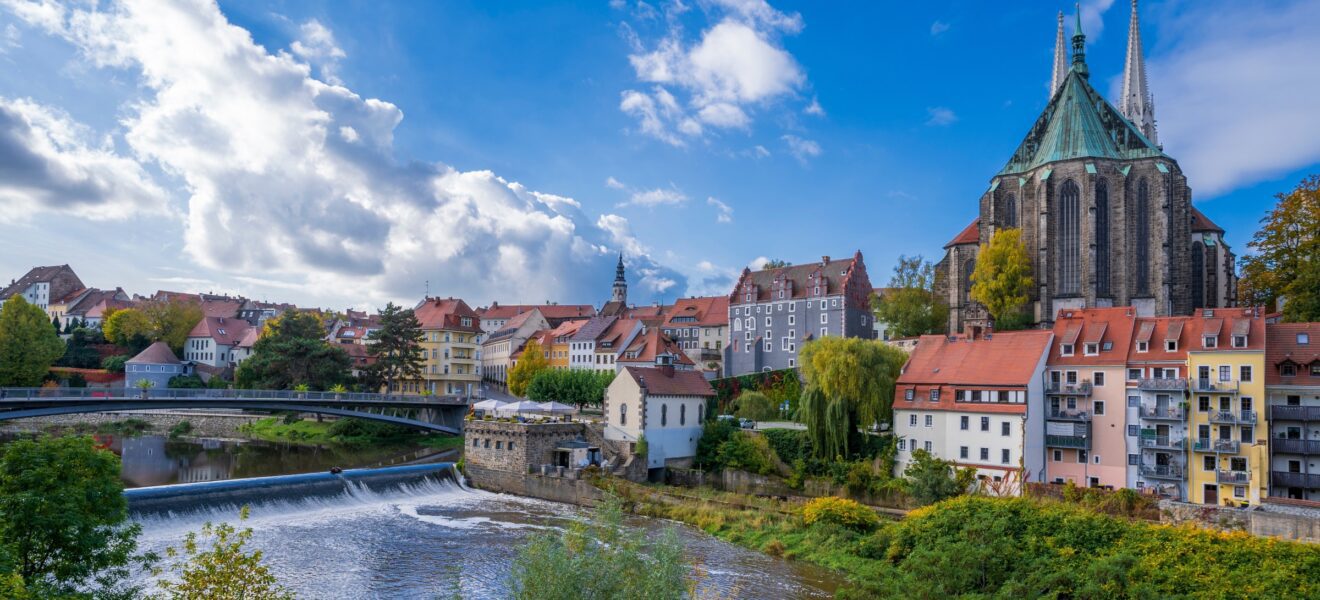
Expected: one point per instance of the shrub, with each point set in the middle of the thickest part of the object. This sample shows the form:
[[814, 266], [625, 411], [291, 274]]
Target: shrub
[[774, 548], [115, 364], [189, 382], [181, 428], [747, 452], [755, 406], [713, 434], [790, 445], [842, 512]]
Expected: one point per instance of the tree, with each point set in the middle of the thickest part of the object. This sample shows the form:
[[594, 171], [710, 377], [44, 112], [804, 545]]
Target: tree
[[755, 406], [850, 383], [295, 353], [172, 321], [397, 346], [600, 558], [224, 570], [931, 480], [187, 382], [579, 387], [127, 327], [28, 344], [79, 352], [911, 307], [1287, 247], [774, 263], [63, 517], [1002, 278], [531, 362]]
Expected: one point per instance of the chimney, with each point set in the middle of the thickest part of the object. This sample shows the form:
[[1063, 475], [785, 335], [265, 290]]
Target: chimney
[[665, 363], [825, 260], [972, 331]]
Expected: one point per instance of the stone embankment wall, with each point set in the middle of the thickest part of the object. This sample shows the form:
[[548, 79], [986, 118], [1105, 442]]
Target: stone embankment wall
[[1299, 523], [555, 489], [203, 424]]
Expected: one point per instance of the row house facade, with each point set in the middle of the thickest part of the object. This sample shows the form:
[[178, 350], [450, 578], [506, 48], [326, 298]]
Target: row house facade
[[499, 347], [561, 343], [653, 347], [700, 327], [1292, 387], [976, 399], [772, 312], [449, 347], [1156, 377]]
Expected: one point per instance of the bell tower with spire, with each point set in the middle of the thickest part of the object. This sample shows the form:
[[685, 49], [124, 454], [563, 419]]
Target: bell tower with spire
[[1137, 103], [1060, 60], [620, 291]]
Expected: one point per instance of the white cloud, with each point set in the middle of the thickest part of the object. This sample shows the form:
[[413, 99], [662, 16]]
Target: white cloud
[[49, 162], [940, 116], [614, 184], [938, 27], [759, 152], [316, 44], [1093, 22], [10, 38], [725, 214], [275, 191], [1236, 92], [656, 197], [800, 148], [710, 279], [733, 69], [758, 263], [814, 109]]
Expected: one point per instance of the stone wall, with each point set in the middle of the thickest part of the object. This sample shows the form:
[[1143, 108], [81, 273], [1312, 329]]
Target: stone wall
[[554, 489], [203, 424], [1285, 522], [515, 447]]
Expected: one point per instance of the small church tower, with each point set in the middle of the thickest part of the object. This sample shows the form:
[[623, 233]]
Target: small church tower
[[620, 291]]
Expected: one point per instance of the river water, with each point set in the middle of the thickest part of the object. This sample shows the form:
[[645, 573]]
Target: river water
[[428, 537]]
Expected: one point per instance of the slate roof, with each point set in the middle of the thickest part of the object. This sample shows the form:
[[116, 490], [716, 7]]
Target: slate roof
[[1282, 346], [593, 329], [1079, 123], [663, 382], [158, 353], [551, 312]]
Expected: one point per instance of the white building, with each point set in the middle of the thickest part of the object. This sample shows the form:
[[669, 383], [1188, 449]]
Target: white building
[[661, 404], [214, 342]]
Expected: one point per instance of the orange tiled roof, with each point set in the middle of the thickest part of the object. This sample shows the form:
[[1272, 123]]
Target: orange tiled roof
[[447, 313], [1282, 346], [1003, 359], [225, 331], [663, 382], [1114, 326], [1200, 222], [652, 343], [970, 235], [707, 311]]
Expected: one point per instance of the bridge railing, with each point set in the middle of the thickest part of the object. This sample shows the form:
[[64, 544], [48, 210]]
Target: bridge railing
[[75, 394]]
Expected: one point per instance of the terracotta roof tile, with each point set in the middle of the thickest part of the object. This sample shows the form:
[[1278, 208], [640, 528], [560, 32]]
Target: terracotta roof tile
[[663, 382], [1200, 222], [970, 235], [447, 313], [1102, 326], [225, 331], [708, 311], [1283, 344], [1003, 359]]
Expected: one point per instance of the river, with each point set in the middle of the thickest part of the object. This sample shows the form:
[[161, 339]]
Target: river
[[424, 537]]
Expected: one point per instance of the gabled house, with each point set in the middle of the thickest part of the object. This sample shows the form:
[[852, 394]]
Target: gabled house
[[700, 326], [214, 342], [647, 348], [499, 347], [155, 365], [43, 285], [661, 404], [1292, 383]]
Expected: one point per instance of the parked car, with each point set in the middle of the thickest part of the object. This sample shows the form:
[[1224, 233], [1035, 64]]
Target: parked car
[[747, 423]]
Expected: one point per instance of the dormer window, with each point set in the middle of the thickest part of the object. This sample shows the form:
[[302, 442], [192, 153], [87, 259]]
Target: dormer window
[[1209, 341], [1239, 341], [935, 395], [1143, 346], [909, 394], [1170, 345], [1091, 349], [1288, 370], [1065, 349]]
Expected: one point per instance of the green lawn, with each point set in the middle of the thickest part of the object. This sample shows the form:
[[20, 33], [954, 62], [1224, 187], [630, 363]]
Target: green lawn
[[364, 433]]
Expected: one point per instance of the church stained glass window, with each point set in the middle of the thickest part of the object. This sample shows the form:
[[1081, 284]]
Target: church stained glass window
[[1101, 238], [1010, 211], [1069, 246], [1143, 237]]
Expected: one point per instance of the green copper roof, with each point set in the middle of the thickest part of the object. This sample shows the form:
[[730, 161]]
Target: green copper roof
[[1079, 123]]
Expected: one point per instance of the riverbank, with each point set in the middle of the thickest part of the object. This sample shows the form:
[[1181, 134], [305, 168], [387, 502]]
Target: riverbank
[[200, 423], [349, 432]]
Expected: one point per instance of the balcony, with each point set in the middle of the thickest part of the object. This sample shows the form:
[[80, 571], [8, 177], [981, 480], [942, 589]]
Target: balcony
[[1068, 441], [1162, 471], [1294, 413], [1079, 416], [1162, 384], [1290, 446], [708, 354], [1220, 446], [1285, 479], [1233, 477], [1081, 388], [1155, 442], [1243, 417], [1215, 385], [1171, 413]]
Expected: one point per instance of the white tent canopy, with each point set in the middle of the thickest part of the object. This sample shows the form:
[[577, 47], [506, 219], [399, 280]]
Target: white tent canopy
[[488, 405], [517, 408], [555, 408]]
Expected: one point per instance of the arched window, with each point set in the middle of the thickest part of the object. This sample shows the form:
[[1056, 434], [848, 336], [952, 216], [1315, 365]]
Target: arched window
[[664, 415], [1198, 274], [1068, 249], [1010, 211], [1143, 238], [682, 414], [1101, 238], [623, 414], [968, 267]]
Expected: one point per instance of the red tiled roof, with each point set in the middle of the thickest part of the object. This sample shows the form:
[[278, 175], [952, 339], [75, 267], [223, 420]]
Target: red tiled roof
[[614, 334], [250, 338], [158, 353], [221, 308], [1157, 330], [549, 311], [225, 331], [1004, 360], [970, 235], [1206, 322], [567, 329], [835, 277], [1200, 222], [708, 311], [1282, 346], [650, 344], [447, 313], [664, 382], [1114, 326]]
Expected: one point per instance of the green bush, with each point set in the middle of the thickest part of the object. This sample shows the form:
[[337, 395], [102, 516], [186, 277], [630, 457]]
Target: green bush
[[713, 433], [842, 512], [363, 428], [115, 364], [755, 406], [180, 429], [790, 445], [747, 452], [190, 382]]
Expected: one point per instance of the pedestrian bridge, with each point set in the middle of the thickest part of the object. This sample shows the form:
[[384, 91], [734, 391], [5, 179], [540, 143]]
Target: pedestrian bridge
[[442, 414]]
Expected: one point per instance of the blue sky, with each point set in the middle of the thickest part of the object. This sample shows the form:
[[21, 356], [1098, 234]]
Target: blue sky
[[349, 153]]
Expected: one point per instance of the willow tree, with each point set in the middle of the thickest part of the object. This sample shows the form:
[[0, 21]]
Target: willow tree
[[850, 383]]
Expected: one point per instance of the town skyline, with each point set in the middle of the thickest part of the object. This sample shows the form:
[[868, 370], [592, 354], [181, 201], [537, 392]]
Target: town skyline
[[718, 173]]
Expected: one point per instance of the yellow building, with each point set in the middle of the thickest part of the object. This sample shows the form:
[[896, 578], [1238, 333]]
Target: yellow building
[[559, 342], [1226, 364], [450, 329]]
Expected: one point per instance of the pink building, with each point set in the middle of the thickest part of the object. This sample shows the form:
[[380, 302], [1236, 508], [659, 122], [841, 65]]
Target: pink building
[[1085, 398]]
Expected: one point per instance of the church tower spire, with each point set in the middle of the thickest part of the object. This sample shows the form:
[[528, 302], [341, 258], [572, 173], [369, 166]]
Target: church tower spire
[[1060, 60], [1079, 46], [1137, 104], [620, 291]]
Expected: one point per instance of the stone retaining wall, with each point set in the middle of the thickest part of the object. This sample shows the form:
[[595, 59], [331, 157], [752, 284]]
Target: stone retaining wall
[[555, 489], [205, 425], [1291, 523]]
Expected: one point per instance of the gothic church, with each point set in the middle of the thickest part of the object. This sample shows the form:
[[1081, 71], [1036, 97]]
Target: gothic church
[[1106, 215]]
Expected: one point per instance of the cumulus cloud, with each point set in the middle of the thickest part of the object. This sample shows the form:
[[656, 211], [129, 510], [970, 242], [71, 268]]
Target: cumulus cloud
[[316, 44], [276, 188], [725, 212], [710, 279], [938, 27], [1235, 95], [733, 69], [614, 184], [49, 162], [657, 197], [801, 149], [940, 116]]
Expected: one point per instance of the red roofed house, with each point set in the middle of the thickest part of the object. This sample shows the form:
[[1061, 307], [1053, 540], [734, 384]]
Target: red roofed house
[[700, 326], [646, 348], [1157, 384], [1292, 384], [500, 345], [43, 285], [214, 342], [977, 400], [449, 344], [661, 403]]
